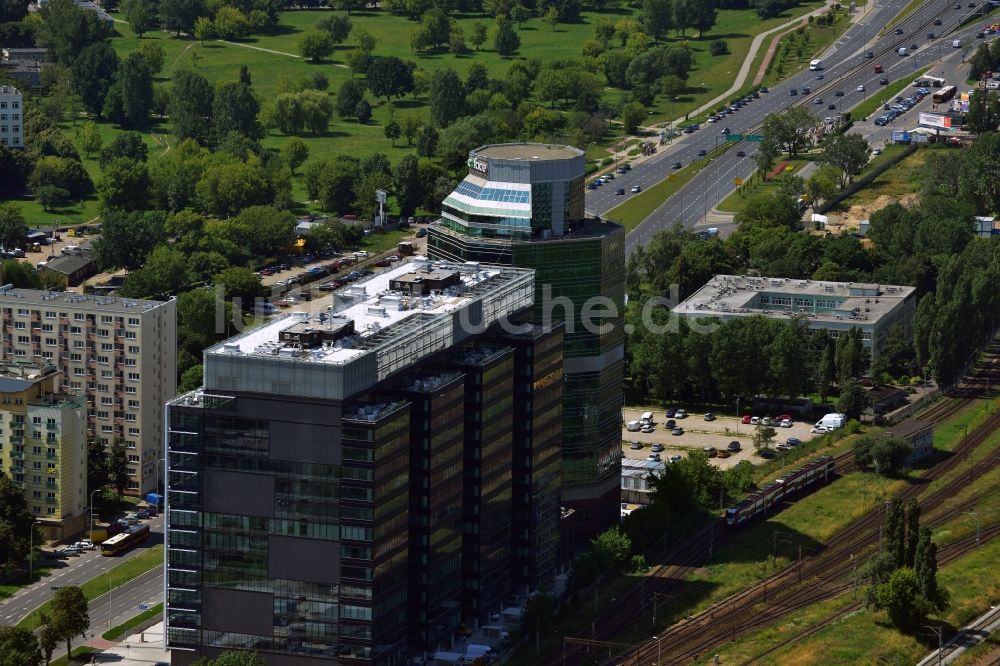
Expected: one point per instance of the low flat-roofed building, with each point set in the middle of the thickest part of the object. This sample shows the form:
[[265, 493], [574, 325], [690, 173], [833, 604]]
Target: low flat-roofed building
[[635, 479], [884, 399], [32, 55], [835, 307], [918, 433]]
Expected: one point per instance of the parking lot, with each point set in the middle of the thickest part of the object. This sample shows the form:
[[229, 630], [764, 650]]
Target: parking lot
[[699, 433]]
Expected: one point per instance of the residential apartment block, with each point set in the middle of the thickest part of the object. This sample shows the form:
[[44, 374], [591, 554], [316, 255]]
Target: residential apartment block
[[43, 446], [11, 117], [120, 354], [353, 483]]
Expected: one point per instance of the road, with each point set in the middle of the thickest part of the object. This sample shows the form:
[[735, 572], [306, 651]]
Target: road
[[844, 69], [73, 571]]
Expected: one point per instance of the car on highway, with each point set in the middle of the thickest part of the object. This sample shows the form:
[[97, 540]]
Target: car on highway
[[806, 90], [675, 165], [636, 188], [594, 185], [972, 5], [820, 77], [839, 93], [860, 88], [884, 81], [898, 31], [734, 447], [937, 21], [831, 107], [702, 152], [869, 55], [726, 130], [930, 35], [793, 92], [620, 191], [818, 100], [741, 153], [913, 47]]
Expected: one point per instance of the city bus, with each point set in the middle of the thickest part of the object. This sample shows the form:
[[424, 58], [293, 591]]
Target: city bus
[[119, 543], [945, 94], [928, 82]]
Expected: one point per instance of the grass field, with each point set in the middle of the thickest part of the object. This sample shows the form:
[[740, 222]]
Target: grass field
[[735, 200], [802, 45], [118, 632], [895, 182], [134, 567]]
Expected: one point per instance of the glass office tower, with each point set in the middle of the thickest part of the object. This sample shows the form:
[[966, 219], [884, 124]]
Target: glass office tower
[[523, 205]]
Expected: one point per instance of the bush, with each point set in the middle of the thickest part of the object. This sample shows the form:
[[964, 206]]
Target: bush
[[607, 161], [718, 47]]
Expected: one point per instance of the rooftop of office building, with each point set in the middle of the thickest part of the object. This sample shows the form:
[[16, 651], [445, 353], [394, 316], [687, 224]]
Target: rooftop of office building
[[528, 151], [105, 304], [728, 295], [17, 377], [369, 330]]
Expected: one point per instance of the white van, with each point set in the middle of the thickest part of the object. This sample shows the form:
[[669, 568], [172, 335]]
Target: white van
[[633, 426], [647, 417], [815, 65], [956, 44], [902, 51], [832, 421]]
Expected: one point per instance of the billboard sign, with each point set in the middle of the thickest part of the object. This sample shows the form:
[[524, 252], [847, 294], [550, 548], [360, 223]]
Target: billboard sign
[[935, 120], [900, 137], [480, 165]]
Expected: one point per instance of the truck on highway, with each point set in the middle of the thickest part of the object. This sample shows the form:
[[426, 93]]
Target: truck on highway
[[815, 65]]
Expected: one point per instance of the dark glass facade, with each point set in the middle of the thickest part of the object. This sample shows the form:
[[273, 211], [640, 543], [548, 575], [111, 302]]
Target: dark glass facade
[[486, 492], [580, 282]]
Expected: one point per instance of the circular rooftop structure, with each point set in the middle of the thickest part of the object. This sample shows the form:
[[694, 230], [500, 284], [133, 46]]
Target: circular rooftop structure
[[528, 151]]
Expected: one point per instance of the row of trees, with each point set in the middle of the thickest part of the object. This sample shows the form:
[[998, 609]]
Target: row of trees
[[68, 618]]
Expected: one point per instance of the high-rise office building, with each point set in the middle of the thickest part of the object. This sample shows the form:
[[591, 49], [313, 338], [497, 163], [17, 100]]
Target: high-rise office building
[[119, 353], [43, 446], [523, 205], [340, 489]]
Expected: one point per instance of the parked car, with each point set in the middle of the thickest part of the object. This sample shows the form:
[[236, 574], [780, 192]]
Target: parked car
[[142, 514], [784, 423], [681, 414], [733, 447], [86, 544], [670, 412], [710, 450], [783, 447], [670, 424], [675, 458], [709, 416], [819, 430], [754, 420], [656, 448], [655, 457], [648, 428], [766, 421], [746, 419], [677, 431], [721, 454], [635, 445], [793, 441], [71, 550]]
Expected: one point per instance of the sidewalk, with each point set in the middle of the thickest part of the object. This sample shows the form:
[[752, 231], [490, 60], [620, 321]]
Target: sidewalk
[[140, 649]]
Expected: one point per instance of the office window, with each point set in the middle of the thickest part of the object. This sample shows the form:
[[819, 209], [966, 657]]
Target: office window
[[76, 330], [107, 346], [49, 314], [133, 349], [51, 511], [133, 376], [106, 319], [133, 403], [51, 342], [130, 335], [133, 431], [79, 316], [76, 357], [78, 344], [20, 324], [133, 321], [47, 328]]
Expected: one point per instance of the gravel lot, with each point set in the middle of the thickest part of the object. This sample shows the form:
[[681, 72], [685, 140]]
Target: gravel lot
[[699, 433]]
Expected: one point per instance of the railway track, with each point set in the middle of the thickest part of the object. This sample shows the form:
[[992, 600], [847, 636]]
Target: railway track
[[820, 577], [687, 557]]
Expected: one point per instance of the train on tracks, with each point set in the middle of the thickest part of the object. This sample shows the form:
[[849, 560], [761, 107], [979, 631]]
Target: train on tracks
[[764, 499]]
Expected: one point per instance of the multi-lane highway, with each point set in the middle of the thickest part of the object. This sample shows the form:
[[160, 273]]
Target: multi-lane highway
[[73, 571], [845, 67]]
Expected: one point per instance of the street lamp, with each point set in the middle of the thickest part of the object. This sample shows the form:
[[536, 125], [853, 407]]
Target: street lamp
[[31, 550], [92, 511], [657, 639]]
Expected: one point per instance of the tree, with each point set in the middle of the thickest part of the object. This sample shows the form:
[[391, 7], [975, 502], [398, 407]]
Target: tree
[[69, 615], [316, 45], [407, 185], [881, 453], [551, 16], [925, 569], [984, 112], [48, 639], [392, 131], [66, 30], [203, 29], [348, 96], [703, 16], [768, 208], [852, 400], [60, 172], [363, 112], [190, 106], [902, 600], [347, 5], [825, 372], [409, 126], [718, 47], [506, 40], [912, 530], [789, 358], [657, 17], [127, 239], [166, 271], [427, 143], [788, 129], [13, 228], [240, 283], [180, 15], [446, 97], [240, 657], [478, 36], [124, 184], [763, 437], [337, 25], [364, 39], [823, 183], [91, 72], [632, 114], [118, 466], [128, 145], [848, 152], [130, 97], [97, 465], [18, 646], [611, 550], [235, 109], [389, 77], [852, 357], [895, 531], [294, 152], [140, 15]]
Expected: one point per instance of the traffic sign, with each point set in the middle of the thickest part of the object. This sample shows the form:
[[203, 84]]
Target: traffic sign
[[737, 181], [381, 196], [734, 137], [757, 138]]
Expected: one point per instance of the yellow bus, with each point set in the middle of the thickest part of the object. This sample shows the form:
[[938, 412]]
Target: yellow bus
[[122, 542]]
